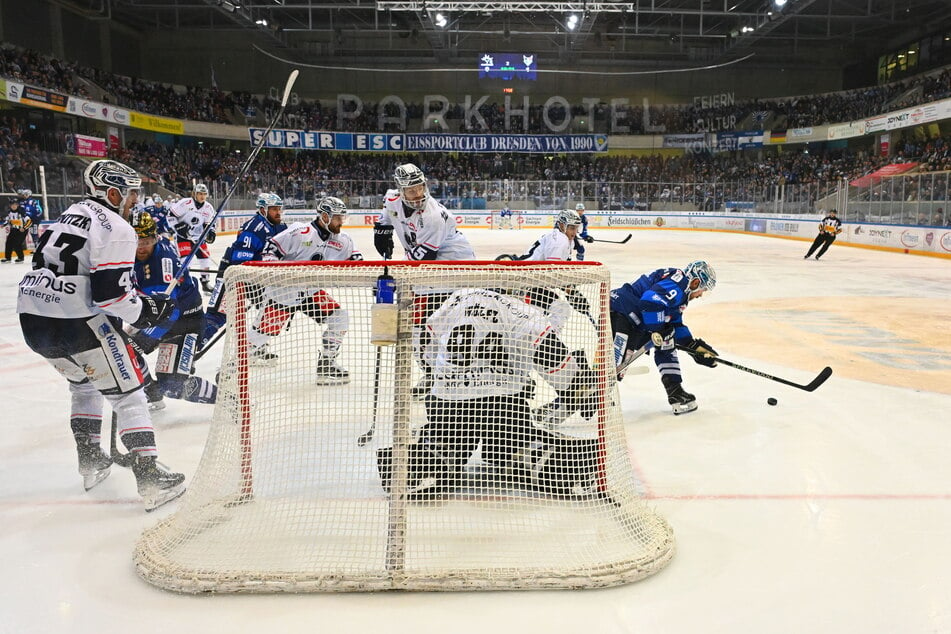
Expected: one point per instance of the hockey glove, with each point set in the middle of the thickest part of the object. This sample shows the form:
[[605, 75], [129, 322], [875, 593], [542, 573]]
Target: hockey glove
[[383, 240], [182, 230], [210, 238], [662, 336], [587, 239], [155, 310], [703, 353]]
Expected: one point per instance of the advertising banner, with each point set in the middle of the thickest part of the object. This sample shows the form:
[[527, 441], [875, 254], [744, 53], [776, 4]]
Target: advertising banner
[[99, 111], [42, 98], [360, 142], [82, 145], [156, 124]]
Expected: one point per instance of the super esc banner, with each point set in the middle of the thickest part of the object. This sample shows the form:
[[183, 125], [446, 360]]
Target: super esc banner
[[359, 142]]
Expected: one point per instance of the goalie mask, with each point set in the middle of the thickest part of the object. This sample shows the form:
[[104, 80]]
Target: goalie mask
[[412, 185], [702, 271], [331, 212], [103, 175]]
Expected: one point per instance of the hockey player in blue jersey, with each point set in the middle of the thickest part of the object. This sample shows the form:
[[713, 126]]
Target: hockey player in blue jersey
[[649, 314], [582, 235], [248, 246], [33, 210], [159, 213], [176, 338]]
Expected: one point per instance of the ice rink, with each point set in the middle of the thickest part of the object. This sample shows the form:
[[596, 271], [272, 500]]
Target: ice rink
[[830, 512]]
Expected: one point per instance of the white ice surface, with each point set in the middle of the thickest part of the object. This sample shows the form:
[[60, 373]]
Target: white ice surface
[[830, 512]]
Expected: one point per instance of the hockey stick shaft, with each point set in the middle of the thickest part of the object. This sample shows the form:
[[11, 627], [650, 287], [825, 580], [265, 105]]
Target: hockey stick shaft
[[624, 241], [234, 185], [367, 437], [808, 387], [208, 344]]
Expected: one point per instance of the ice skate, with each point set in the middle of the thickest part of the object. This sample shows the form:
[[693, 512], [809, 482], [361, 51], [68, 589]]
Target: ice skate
[[157, 485], [94, 465], [680, 400], [207, 286], [329, 373]]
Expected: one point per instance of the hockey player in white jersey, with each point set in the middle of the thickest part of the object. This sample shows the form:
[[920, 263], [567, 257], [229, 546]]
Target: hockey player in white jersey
[[318, 240], [556, 245], [427, 231], [424, 226], [486, 350], [70, 308], [188, 217]]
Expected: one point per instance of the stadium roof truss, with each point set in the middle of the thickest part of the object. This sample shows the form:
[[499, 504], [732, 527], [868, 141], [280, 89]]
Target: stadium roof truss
[[638, 31]]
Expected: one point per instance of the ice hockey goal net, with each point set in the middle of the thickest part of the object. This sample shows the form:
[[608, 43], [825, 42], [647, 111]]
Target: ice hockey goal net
[[507, 469], [510, 220]]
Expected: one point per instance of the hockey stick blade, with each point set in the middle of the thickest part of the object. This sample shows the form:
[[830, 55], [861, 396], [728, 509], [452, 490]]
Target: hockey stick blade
[[252, 156], [809, 387], [624, 241]]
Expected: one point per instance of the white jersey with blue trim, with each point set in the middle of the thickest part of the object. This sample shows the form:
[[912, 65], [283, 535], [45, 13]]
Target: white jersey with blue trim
[[554, 246], [83, 267], [301, 241], [196, 216], [429, 234]]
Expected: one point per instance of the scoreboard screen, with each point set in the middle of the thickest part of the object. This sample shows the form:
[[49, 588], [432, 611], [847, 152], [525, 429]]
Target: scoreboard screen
[[508, 66]]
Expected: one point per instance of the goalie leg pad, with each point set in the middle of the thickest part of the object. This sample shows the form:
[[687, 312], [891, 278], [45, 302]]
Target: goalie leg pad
[[559, 466], [320, 306]]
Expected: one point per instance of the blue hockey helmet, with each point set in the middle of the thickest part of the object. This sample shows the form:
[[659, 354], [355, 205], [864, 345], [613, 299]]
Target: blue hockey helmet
[[702, 271]]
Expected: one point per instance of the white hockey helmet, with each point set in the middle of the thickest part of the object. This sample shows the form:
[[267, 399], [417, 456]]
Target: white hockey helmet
[[103, 175], [408, 175], [568, 218], [702, 271], [579, 207], [269, 199], [156, 199], [200, 188], [332, 206], [24, 193]]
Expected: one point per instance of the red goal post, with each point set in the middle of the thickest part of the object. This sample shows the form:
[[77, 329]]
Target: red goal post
[[449, 493]]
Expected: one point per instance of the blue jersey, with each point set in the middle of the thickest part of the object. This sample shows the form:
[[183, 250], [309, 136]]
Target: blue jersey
[[160, 216], [252, 239], [654, 300], [32, 210], [505, 213], [153, 276], [584, 226]]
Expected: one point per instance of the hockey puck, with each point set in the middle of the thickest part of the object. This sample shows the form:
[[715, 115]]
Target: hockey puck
[[772, 401]]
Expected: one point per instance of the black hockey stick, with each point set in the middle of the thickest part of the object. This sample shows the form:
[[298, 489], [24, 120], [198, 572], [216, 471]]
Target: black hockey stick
[[234, 186], [208, 344], [367, 437], [624, 241], [809, 387], [117, 457]]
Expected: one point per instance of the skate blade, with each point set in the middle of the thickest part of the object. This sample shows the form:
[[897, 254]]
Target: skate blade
[[326, 380], [153, 501], [91, 480], [684, 409]]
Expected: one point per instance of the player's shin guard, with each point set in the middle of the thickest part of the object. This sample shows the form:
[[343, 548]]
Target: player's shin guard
[[199, 390]]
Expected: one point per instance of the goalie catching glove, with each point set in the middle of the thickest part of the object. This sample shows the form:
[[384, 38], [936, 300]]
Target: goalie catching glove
[[702, 352], [155, 310], [383, 239]]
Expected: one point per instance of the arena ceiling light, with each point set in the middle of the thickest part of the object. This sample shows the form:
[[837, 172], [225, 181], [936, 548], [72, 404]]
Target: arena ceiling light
[[440, 20], [780, 3], [572, 22]]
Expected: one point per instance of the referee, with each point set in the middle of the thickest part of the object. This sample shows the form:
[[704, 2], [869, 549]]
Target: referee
[[829, 228]]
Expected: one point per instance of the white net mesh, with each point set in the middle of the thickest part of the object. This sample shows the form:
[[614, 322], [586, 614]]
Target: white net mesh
[[483, 450]]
